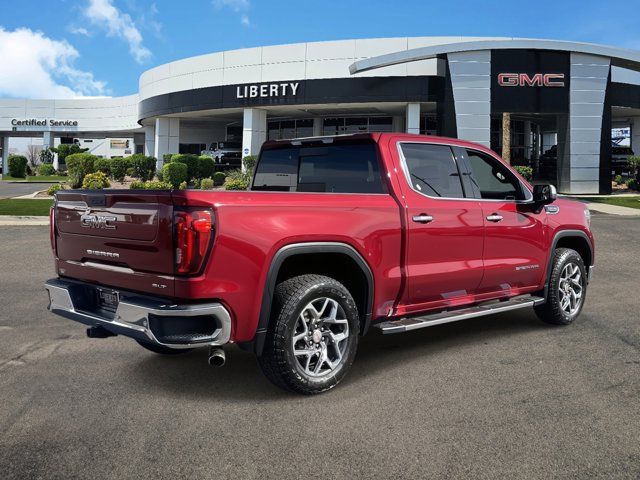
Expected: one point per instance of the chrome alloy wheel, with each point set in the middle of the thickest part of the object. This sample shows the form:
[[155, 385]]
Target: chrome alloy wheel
[[320, 337], [570, 288]]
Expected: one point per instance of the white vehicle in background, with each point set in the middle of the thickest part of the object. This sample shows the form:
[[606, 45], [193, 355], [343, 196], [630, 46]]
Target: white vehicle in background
[[227, 153]]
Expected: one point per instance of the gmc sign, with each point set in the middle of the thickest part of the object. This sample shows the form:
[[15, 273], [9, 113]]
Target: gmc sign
[[535, 80]]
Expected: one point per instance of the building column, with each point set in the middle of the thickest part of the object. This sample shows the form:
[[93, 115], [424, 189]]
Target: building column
[[149, 141], [5, 155], [635, 135], [589, 77], [47, 142], [166, 138], [254, 131], [413, 118], [527, 140], [318, 126], [397, 124]]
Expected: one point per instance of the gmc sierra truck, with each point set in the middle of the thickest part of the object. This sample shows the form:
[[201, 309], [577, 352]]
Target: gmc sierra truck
[[336, 236]]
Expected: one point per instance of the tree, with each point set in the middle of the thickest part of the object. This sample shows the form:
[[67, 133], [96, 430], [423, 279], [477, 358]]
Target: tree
[[33, 154], [506, 137], [66, 149]]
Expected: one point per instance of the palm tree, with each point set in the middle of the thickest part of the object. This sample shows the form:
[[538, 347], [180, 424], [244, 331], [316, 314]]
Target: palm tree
[[506, 137]]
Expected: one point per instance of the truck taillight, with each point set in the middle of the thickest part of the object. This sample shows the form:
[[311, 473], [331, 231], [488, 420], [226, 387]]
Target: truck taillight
[[52, 227], [193, 233]]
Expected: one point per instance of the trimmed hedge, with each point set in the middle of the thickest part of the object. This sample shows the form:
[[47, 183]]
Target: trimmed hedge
[[206, 184], [206, 166], [175, 173], [18, 166], [46, 169], [119, 168], [219, 178], [144, 167], [79, 165], [249, 162], [56, 187], [191, 161], [95, 181], [102, 165]]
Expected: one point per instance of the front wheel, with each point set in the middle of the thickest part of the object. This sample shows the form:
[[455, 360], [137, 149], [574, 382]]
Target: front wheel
[[567, 289], [313, 336]]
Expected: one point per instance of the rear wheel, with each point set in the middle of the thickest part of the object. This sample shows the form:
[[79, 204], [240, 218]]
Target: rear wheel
[[567, 289], [163, 350], [313, 336]]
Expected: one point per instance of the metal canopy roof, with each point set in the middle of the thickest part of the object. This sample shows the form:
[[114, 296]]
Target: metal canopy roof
[[620, 57]]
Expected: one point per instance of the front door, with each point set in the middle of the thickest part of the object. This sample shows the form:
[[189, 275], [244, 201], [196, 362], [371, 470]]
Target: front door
[[514, 247], [445, 229]]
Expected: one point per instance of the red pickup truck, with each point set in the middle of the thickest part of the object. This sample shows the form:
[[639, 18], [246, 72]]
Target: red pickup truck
[[336, 236]]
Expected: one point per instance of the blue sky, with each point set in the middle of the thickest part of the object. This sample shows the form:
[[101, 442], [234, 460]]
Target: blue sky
[[67, 48]]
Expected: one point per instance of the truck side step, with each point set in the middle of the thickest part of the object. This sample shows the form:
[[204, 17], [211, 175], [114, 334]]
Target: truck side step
[[406, 324]]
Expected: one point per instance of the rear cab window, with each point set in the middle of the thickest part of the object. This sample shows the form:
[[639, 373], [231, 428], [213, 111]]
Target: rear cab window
[[333, 167]]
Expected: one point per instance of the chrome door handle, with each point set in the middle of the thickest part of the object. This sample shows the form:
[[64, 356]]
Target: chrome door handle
[[494, 217], [422, 218]]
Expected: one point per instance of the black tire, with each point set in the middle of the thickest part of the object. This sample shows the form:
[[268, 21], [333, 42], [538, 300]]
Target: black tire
[[163, 350], [552, 311], [278, 362]]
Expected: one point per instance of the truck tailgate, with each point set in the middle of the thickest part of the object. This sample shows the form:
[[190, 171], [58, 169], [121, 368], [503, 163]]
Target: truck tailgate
[[117, 238]]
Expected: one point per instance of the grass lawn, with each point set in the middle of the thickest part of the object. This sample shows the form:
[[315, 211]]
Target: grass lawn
[[631, 202], [18, 206], [37, 178]]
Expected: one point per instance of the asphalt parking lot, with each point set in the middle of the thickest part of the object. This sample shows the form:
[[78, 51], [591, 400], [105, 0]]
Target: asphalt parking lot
[[15, 189], [500, 397]]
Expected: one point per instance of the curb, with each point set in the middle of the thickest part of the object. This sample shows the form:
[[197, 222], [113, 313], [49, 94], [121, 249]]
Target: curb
[[19, 221]]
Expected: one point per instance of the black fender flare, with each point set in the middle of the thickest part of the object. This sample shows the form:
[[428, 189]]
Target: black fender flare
[[304, 248], [559, 235]]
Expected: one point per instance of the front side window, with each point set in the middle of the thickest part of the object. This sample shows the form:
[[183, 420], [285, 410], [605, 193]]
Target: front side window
[[432, 170], [493, 179]]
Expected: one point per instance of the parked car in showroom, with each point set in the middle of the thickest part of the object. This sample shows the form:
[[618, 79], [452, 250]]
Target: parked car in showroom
[[336, 237], [226, 154]]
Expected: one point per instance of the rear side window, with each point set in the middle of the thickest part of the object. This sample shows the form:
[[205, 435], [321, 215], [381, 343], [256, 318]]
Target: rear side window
[[339, 168], [432, 170]]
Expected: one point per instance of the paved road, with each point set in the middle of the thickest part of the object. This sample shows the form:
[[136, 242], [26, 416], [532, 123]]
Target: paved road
[[501, 397], [9, 189]]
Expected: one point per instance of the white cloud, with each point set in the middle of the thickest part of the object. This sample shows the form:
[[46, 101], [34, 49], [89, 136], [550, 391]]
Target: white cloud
[[40, 67], [79, 31], [103, 14], [238, 6]]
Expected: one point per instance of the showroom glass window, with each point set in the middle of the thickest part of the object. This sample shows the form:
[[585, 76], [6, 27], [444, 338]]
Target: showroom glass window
[[432, 170]]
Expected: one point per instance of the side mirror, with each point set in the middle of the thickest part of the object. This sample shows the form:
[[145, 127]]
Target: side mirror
[[544, 194]]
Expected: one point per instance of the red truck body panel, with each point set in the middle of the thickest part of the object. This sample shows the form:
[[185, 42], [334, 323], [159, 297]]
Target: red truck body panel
[[458, 259]]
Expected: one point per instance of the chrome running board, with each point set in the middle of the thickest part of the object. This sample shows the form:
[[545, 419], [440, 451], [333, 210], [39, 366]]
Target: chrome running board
[[413, 323]]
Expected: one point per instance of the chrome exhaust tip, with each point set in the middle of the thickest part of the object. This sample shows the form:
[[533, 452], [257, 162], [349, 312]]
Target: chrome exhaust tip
[[217, 357]]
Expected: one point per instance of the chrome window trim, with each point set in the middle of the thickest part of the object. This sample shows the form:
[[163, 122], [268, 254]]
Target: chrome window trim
[[407, 176]]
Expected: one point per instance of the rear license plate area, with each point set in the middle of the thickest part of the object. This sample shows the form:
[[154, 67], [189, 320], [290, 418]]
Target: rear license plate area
[[108, 300]]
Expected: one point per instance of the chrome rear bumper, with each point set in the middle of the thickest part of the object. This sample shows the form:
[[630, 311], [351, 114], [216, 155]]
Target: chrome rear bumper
[[148, 319]]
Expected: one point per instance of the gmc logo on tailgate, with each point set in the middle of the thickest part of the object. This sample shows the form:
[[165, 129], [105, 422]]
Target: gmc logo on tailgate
[[536, 80], [98, 221]]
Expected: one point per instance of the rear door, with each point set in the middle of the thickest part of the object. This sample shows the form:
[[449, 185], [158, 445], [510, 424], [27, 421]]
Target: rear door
[[118, 238], [445, 229], [514, 247]]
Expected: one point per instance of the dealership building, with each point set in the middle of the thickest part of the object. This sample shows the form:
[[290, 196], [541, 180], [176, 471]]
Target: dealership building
[[564, 100]]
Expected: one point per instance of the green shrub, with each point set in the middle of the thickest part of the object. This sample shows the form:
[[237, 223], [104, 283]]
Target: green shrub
[[66, 149], [633, 184], [249, 162], [182, 186], [150, 185], [46, 169], [29, 170], [166, 158], [144, 167], [525, 172], [17, 166], [206, 166], [206, 184], [218, 178], [51, 191], [159, 175], [191, 161], [236, 184], [95, 181], [617, 179], [175, 173], [119, 168], [79, 165], [102, 165]]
